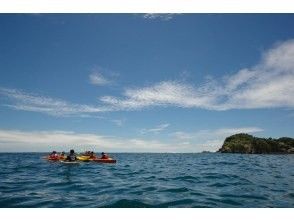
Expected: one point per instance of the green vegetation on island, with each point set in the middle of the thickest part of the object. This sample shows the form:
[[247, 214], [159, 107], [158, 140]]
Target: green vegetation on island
[[248, 144]]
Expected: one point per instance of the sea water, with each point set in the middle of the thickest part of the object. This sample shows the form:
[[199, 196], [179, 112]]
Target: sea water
[[149, 180]]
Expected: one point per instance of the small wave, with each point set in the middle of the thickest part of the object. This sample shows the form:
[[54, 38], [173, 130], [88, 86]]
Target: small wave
[[205, 204], [149, 189], [214, 176], [126, 203], [176, 203], [186, 178], [244, 196], [218, 185], [291, 195], [150, 177], [176, 190], [226, 201], [197, 194], [138, 192], [254, 197], [224, 163]]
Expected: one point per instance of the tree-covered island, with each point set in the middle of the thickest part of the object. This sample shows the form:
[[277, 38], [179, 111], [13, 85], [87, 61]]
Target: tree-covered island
[[248, 144]]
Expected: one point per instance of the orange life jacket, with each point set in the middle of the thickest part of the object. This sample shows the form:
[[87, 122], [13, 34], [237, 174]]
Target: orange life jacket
[[104, 156]]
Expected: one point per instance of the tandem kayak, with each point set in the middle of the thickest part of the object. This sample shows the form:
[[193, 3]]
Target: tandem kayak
[[109, 160], [52, 158]]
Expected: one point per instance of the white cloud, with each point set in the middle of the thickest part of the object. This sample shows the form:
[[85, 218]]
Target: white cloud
[[269, 84], [119, 122], [56, 107], [97, 78], [159, 16], [155, 130], [34, 141]]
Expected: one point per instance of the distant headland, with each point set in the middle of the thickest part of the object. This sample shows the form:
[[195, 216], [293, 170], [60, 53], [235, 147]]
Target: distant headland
[[248, 144]]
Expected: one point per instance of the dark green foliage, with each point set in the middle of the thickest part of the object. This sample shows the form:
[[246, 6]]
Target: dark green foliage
[[245, 143]]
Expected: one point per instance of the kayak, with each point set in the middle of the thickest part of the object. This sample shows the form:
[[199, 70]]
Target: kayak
[[83, 158], [109, 160], [55, 158], [52, 158], [69, 162], [62, 158]]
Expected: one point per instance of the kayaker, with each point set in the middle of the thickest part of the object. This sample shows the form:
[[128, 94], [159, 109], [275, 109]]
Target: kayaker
[[87, 153], [62, 155], [53, 154], [104, 156], [72, 156], [92, 155]]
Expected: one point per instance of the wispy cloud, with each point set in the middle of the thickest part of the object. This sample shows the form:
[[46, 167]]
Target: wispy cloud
[[168, 93], [159, 16], [101, 76], [97, 78], [119, 122], [269, 84], [155, 130], [20, 100]]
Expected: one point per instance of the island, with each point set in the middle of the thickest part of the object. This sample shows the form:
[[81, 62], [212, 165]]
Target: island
[[248, 144]]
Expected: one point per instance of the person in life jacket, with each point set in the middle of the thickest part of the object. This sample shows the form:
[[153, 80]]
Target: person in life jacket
[[92, 155], [62, 155], [104, 156], [53, 154], [72, 156]]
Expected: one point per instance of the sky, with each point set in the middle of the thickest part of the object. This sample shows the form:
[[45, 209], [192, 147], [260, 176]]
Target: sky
[[143, 82]]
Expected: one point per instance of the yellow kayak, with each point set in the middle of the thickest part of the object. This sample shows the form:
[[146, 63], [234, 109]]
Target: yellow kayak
[[83, 158]]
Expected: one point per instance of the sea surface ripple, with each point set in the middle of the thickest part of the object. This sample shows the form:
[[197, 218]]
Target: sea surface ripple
[[149, 180]]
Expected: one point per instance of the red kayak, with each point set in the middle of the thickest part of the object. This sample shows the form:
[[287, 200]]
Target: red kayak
[[55, 158], [109, 160], [52, 158]]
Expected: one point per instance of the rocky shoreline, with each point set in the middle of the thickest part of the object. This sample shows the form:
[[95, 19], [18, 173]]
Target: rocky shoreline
[[248, 144]]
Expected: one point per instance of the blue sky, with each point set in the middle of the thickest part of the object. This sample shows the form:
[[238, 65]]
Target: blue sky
[[143, 82]]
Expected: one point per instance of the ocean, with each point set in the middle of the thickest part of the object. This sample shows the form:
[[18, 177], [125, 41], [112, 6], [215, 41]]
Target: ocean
[[149, 180]]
